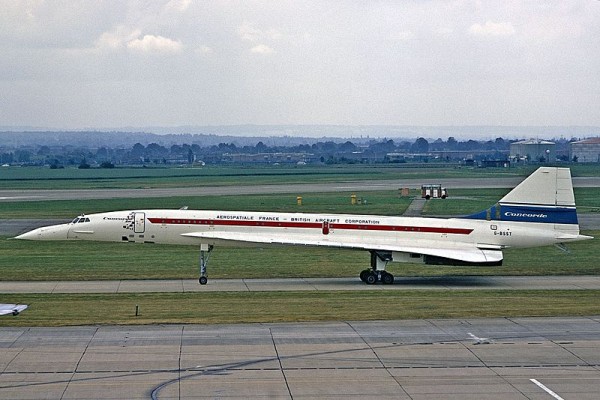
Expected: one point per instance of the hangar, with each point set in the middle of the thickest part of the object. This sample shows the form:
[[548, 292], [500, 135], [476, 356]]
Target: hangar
[[535, 150], [587, 150]]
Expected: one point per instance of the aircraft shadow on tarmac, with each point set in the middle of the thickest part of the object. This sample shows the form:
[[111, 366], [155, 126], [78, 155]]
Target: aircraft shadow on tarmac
[[470, 281]]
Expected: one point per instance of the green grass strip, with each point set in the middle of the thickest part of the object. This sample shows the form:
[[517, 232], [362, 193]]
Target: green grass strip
[[256, 307]]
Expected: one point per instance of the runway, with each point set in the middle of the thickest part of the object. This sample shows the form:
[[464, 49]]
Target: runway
[[361, 186], [501, 358], [306, 284]]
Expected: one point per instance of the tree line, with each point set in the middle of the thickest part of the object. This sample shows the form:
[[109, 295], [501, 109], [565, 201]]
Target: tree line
[[328, 151]]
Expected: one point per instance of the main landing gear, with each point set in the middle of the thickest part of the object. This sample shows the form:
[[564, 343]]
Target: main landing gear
[[205, 250], [377, 272]]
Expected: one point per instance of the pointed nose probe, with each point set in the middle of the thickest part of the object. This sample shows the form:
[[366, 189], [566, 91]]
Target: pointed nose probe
[[53, 232]]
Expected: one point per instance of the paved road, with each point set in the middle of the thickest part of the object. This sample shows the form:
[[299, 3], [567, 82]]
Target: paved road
[[306, 284], [411, 359], [455, 183]]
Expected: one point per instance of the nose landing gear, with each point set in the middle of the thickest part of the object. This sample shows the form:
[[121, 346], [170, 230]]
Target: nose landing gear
[[205, 250]]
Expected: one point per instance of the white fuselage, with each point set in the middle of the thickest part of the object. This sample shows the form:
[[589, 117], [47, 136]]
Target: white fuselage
[[172, 226]]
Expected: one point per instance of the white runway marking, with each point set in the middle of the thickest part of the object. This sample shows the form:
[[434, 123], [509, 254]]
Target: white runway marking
[[550, 392]]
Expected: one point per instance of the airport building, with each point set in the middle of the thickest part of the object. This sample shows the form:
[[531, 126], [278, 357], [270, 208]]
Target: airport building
[[587, 150], [268, 158], [533, 150]]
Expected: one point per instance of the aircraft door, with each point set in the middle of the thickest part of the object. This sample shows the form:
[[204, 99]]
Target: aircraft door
[[140, 222]]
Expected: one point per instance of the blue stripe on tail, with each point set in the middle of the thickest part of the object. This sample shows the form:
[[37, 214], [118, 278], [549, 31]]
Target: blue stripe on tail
[[528, 213]]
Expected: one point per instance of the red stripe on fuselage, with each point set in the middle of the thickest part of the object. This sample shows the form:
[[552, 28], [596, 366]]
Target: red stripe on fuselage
[[316, 225]]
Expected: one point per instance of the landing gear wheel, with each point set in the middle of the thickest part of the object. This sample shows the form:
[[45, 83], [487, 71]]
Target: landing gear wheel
[[387, 278], [363, 274], [371, 278], [204, 255]]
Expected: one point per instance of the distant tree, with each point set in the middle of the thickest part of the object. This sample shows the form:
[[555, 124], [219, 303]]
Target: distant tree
[[469, 145], [451, 143], [325, 147], [23, 155], [7, 158], [347, 147], [437, 145], [304, 148], [261, 147], [102, 153], [404, 145], [227, 147], [386, 146], [43, 151], [107, 164], [84, 164], [176, 149], [420, 145], [156, 150], [138, 150], [500, 144]]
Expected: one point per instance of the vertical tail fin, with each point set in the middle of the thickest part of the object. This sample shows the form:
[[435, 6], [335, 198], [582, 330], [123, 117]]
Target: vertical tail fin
[[545, 187], [546, 196]]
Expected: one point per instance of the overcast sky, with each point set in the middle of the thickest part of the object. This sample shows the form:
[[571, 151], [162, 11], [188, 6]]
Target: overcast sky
[[80, 64]]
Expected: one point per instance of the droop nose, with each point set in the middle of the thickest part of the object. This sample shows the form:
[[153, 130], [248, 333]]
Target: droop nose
[[54, 232]]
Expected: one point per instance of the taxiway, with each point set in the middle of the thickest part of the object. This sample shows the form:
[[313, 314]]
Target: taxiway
[[305, 284], [501, 358], [361, 186]]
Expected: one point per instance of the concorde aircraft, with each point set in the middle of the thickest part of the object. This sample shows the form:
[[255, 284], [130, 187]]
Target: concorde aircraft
[[540, 211]]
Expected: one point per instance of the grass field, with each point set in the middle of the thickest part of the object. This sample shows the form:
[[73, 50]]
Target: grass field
[[228, 307], [68, 178]]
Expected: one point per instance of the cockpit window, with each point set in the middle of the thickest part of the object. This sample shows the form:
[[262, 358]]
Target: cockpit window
[[80, 220], [75, 220]]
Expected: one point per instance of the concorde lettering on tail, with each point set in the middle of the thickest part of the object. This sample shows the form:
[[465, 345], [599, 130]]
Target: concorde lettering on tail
[[540, 211]]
